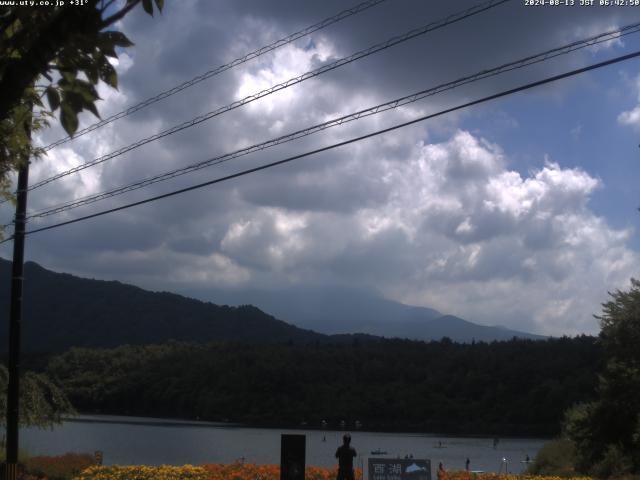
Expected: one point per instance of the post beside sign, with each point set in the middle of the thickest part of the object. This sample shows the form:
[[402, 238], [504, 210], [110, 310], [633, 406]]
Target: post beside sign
[[399, 469], [292, 457]]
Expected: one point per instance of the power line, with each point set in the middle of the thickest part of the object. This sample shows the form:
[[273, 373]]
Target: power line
[[222, 68], [527, 61], [346, 142], [453, 18], [292, 81]]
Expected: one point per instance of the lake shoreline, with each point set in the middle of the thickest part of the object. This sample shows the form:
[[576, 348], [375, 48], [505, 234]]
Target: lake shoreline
[[179, 422], [171, 441]]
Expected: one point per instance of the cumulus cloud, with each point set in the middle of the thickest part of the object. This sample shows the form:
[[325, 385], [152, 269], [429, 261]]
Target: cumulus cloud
[[432, 214], [596, 29], [631, 117], [455, 229]]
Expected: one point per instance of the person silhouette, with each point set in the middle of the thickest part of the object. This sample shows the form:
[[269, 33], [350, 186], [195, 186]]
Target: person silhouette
[[345, 455], [466, 464]]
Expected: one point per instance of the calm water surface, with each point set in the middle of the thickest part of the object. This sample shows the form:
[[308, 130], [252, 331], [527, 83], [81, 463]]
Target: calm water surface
[[132, 440]]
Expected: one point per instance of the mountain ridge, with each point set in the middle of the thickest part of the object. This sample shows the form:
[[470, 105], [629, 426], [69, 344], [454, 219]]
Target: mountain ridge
[[73, 311], [332, 310], [62, 310]]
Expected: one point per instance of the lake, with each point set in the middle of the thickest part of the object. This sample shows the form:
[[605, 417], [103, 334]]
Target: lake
[[135, 440]]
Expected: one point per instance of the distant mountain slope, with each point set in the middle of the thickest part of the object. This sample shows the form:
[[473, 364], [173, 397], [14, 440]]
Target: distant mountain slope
[[61, 310], [329, 310], [348, 310], [461, 330]]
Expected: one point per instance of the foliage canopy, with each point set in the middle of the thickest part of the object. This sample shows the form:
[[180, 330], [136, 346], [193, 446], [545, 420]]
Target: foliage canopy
[[42, 403], [58, 53], [516, 387], [606, 432]]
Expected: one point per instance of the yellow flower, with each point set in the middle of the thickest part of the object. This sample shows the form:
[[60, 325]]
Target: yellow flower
[[464, 475]]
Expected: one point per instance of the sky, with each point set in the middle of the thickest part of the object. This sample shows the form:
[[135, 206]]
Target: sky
[[522, 211]]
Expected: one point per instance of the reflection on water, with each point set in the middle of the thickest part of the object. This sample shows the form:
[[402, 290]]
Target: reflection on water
[[134, 440]]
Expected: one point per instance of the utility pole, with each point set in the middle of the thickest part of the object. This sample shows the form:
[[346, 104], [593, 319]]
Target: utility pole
[[15, 320]]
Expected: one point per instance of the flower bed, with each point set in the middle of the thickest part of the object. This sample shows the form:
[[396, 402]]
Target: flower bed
[[249, 471], [142, 472], [497, 476], [233, 471]]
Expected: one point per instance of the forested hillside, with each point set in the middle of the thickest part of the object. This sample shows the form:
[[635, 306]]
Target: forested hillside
[[517, 387], [62, 311]]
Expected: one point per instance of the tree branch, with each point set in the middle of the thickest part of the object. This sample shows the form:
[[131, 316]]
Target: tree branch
[[118, 15], [103, 7]]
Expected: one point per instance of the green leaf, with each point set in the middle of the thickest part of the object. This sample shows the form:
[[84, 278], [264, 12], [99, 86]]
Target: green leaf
[[36, 101], [160, 5], [86, 90], [53, 97], [118, 39], [108, 49], [108, 74], [69, 119], [92, 108], [73, 101], [68, 76], [148, 6], [92, 73]]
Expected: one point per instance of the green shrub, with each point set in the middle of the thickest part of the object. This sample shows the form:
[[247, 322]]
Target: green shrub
[[555, 458], [614, 464]]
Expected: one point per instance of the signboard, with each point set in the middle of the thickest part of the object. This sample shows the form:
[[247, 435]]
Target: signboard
[[399, 469], [292, 457]]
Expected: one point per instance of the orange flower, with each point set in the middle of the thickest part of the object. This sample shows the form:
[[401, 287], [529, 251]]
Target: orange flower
[[464, 475], [249, 471]]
